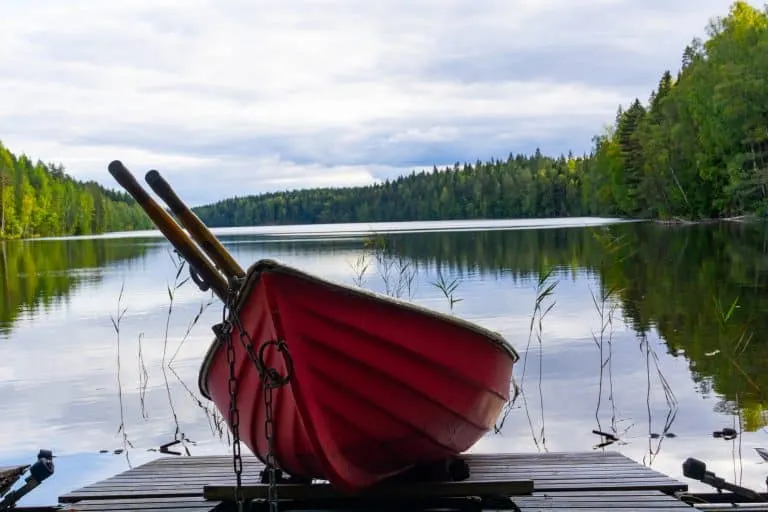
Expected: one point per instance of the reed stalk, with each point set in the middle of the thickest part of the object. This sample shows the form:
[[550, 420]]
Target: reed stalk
[[116, 322]]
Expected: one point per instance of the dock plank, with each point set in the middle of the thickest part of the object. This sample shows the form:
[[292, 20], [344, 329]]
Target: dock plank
[[645, 501], [195, 504], [9, 475], [561, 481]]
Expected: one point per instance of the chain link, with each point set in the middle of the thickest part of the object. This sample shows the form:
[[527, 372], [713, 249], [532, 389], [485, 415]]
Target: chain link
[[224, 332], [271, 379], [269, 426]]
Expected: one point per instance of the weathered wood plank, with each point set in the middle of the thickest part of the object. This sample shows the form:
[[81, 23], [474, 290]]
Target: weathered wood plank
[[197, 504], [139, 479], [485, 458], [608, 507], [567, 474], [107, 505], [78, 497], [479, 466], [9, 475], [540, 484], [422, 490], [727, 507], [645, 501], [580, 502]]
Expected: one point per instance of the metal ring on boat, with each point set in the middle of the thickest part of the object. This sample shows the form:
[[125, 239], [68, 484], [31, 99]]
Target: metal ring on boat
[[270, 375]]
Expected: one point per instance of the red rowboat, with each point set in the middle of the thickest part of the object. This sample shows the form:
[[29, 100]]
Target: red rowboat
[[378, 385]]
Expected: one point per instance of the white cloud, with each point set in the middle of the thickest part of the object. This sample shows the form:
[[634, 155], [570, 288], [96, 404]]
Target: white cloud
[[267, 95]]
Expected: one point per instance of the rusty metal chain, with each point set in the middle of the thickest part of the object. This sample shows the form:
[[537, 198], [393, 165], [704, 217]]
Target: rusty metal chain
[[271, 379], [224, 333], [269, 425]]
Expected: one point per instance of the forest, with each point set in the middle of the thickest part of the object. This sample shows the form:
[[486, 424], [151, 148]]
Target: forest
[[696, 149], [40, 200]]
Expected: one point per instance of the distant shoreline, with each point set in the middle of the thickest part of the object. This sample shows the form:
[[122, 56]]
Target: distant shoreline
[[679, 221], [402, 227]]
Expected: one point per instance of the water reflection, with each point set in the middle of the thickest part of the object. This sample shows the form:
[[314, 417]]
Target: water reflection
[[682, 282], [43, 275], [651, 339]]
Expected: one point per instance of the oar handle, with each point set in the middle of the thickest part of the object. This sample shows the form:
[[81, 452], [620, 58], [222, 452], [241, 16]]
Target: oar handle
[[199, 231], [129, 183], [170, 229], [163, 189]]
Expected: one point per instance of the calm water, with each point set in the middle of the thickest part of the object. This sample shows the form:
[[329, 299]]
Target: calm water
[[666, 373]]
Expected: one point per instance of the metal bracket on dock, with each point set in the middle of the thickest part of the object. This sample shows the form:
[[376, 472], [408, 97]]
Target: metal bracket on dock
[[464, 495], [38, 472]]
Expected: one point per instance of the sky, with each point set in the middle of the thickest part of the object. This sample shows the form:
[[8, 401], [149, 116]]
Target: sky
[[235, 97]]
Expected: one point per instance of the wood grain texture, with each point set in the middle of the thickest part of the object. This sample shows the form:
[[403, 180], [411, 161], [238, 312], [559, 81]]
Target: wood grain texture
[[588, 481]]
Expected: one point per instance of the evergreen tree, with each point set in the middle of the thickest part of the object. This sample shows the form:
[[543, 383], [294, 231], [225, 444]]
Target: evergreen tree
[[42, 200]]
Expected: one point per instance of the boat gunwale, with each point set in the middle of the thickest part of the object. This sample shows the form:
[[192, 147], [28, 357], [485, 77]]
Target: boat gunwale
[[256, 269]]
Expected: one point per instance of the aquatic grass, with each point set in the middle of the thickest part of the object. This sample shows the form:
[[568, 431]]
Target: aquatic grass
[[360, 269], [736, 448], [398, 274], [616, 249], [669, 397], [215, 419], [606, 307], [116, 321], [166, 363], [742, 342], [447, 288], [179, 263], [733, 354], [143, 378], [404, 275], [545, 289], [179, 437], [190, 326]]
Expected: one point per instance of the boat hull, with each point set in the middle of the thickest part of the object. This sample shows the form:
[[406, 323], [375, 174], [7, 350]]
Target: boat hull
[[378, 385]]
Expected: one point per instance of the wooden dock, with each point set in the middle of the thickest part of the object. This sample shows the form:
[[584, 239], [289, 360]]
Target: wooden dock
[[9, 475], [589, 481]]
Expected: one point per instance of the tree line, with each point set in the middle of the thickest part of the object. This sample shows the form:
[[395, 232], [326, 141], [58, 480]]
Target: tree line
[[698, 148], [38, 199]]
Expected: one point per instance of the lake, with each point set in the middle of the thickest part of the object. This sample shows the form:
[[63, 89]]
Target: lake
[[656, 334]]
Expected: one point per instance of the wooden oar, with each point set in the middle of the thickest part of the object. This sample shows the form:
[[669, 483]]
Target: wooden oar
[[199, 231], [172, 231]]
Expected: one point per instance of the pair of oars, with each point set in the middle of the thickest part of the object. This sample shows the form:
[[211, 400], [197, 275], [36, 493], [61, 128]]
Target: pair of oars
[[221, 269]]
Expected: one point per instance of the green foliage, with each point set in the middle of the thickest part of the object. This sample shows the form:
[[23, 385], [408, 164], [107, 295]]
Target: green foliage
[[520, 186], [41, 275], [447, 288], [38, 199], [698, 149]]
